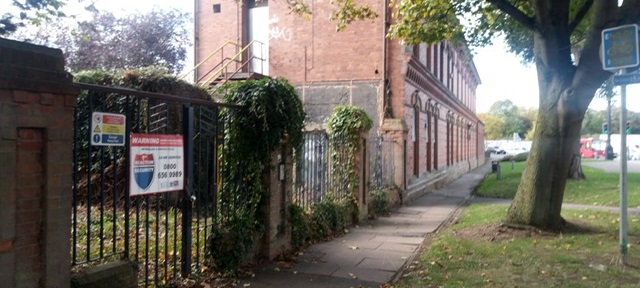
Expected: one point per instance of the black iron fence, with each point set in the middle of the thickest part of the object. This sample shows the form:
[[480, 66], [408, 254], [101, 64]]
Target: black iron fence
[[317, 175], [164, 233]]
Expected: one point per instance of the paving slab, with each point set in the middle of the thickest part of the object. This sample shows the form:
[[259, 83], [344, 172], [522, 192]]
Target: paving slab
[[373, 253], [391, 265], [368, 275], [398, 239], [314, 268], [290, 279], [398, 247]]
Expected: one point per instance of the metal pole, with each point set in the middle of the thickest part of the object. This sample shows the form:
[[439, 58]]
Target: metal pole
[[623, 173], [609, 149], [187, 131]]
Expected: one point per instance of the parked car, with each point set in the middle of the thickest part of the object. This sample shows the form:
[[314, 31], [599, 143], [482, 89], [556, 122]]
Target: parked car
[[496, 150], [516, 150]]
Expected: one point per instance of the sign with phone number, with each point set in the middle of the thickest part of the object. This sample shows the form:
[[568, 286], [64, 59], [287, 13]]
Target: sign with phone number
[[157, 163]]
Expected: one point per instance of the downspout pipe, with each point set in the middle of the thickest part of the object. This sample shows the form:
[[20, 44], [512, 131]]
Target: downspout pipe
[[385, 74], [196, 39]]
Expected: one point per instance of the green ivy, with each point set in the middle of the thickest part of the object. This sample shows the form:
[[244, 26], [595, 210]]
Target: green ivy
[[379, 202], [150, 79], [300, 226], [271, 112], [323, 220], [228, 246], [346, 125]]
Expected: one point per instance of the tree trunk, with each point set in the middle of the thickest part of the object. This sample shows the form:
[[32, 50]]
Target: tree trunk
[[538, 201], [566, 89], [539, 198], [575, 170]]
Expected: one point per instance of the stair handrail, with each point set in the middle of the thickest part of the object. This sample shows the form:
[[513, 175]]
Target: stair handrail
[[228, 42], [243, 64], [234, 58]]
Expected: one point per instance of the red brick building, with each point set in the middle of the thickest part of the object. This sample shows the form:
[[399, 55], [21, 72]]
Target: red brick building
[[422, 98]]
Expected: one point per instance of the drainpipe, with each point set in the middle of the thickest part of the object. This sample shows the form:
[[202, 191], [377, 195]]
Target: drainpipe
[[385, 75], [196, 40]]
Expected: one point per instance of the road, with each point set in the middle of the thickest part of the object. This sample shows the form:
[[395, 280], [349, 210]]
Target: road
[[612, 165]]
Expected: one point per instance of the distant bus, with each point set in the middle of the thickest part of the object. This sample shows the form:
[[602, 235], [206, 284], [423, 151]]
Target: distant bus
[[592, 148]]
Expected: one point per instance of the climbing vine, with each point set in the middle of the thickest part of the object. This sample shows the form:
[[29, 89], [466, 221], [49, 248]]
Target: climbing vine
[[271, 111], [346, 125]]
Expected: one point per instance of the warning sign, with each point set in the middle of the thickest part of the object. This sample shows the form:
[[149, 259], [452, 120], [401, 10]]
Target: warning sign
[[157, 163], [108, 129]]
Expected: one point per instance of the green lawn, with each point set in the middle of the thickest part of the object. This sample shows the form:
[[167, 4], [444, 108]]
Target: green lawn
[[475, 253], [600, 188]]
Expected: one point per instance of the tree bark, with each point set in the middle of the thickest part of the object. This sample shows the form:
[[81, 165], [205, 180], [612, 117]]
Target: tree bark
[[538, 201], [575, 170]]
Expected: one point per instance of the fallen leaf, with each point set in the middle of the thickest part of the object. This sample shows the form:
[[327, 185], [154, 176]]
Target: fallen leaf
[[353, 276]]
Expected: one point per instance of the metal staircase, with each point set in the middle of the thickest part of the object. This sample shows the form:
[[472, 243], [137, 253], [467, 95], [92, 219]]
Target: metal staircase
[[229, 63]]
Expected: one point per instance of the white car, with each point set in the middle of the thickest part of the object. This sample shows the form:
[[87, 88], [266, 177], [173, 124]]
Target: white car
[[516, 150]]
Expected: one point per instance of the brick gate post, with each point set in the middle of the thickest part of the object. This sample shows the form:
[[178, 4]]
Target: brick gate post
[[36, 131], [277, 238]]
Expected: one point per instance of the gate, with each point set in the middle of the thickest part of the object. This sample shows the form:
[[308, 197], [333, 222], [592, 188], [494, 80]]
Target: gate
[[163, 233], [316, 177]]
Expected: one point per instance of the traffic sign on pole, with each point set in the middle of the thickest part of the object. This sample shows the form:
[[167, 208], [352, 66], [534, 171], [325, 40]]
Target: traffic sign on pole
[[620, 47]]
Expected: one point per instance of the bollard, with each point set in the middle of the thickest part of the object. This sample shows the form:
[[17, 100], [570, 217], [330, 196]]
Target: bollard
[[513, 162], [498, 172]]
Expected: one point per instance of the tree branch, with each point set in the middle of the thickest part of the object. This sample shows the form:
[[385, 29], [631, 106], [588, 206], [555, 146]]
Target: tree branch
[[581, 13], [514, 12]]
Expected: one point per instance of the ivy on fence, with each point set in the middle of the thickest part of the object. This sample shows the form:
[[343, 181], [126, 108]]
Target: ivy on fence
[[271, 112], [346, 126]]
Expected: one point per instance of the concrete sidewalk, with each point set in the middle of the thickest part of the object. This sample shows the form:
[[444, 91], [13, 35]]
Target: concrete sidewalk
[[373, 253]]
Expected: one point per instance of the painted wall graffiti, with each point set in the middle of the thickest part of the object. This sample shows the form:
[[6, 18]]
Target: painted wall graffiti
[[278, 32]]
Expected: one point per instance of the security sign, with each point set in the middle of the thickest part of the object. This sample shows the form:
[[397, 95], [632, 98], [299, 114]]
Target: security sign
[[157, 163], [143, 168]]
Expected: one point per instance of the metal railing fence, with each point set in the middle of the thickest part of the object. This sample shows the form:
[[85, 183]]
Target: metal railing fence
[[164, 233]]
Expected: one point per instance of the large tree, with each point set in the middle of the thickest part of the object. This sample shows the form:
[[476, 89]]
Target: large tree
[[512, 117], [493, 126], [28, 11], [107, 41], [563, 38]]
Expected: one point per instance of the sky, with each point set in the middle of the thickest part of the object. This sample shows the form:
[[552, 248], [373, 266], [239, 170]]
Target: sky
[[503, 76]]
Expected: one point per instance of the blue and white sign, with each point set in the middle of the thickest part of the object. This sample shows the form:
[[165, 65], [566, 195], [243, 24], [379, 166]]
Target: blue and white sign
[[157, 163], [620, 47]]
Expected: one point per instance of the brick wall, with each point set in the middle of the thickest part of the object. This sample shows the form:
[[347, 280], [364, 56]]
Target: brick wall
[[212, 30], [330, 68], [36, 118], [301, 48]]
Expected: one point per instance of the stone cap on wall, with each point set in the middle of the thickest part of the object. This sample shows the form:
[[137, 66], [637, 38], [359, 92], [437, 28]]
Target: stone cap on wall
[[29, 67]]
